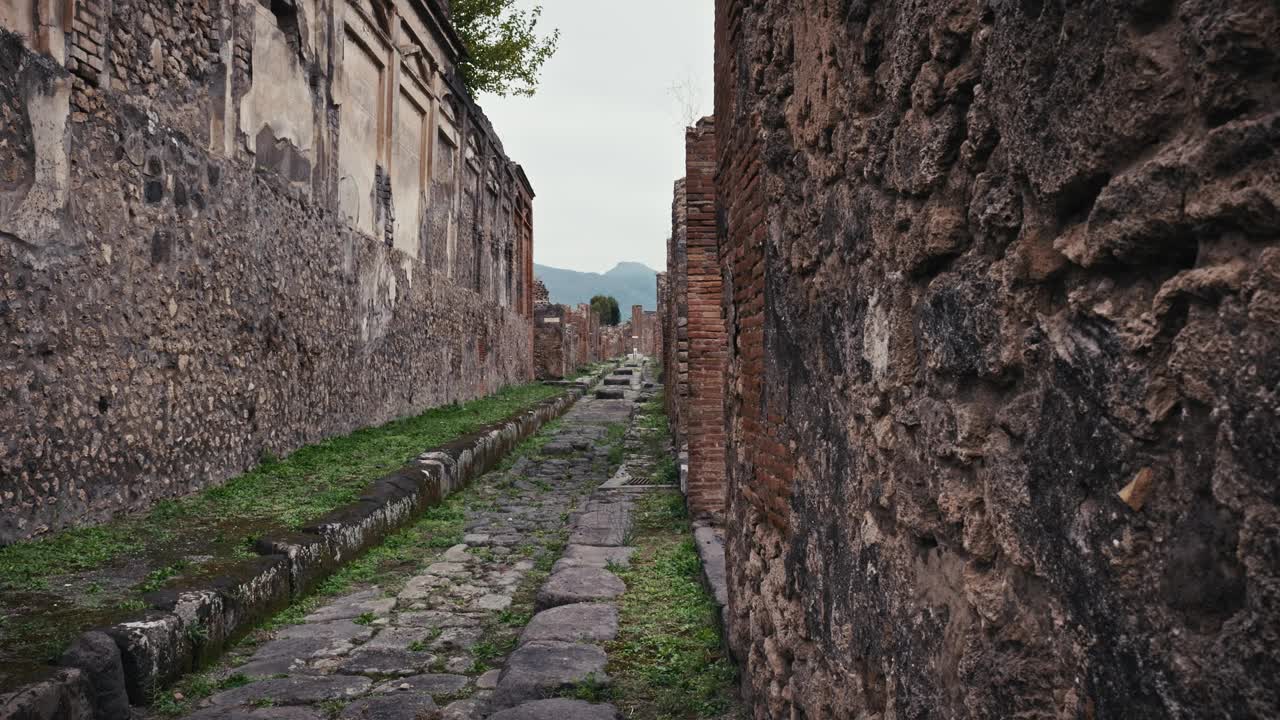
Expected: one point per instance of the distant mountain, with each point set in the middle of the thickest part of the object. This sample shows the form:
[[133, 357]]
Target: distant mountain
[[630, 283]]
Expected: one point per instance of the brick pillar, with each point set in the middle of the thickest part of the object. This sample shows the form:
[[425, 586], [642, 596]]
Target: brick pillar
[[707, 337]]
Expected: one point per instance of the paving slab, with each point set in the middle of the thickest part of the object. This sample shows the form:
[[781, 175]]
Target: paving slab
[[430, 683], [382, 662], [435, 619], [294, 691], [579, 622], [353, 606], [594, 556], [603, 524], [579, 585], [557, 709], [538, 669], [386, 707], [256, 713]]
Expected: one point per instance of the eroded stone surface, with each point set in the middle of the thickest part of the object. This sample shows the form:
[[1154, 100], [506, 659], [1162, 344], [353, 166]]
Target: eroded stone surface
[[542, 668], [430, 683], [579, 622], [294, 691], [579, 585], [400, 707]]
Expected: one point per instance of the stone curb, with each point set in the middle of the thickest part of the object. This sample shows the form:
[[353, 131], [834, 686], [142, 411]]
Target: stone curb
[[192, 621], [709, 541]]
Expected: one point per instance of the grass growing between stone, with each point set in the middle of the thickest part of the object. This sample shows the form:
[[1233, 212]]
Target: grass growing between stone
[[668, 662], [389, 566], [52, 589]]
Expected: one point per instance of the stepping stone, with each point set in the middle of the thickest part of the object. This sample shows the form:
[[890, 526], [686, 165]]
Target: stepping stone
[[579, 585], [538, 669], [294, 691], [385, 661], [475, 539], [610, 394], [431, 683], [398, 707], [594, 556], [353, 606], [263, 713], [614, 381], [579, 622], [557, 709]]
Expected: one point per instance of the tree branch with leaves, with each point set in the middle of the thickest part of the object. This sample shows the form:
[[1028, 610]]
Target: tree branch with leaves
[[505, 51]]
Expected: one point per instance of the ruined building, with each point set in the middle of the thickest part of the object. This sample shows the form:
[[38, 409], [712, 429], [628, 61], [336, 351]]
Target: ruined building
[[228, 229], [1000, 289]]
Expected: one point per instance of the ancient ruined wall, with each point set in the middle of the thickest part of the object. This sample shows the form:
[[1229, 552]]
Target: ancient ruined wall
[[677, 319], [1003, 284], [706, 327], [555, 343], [213, 248]]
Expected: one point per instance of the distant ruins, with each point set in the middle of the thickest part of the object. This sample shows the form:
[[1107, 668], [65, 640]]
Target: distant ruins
[[992, 291], [567, 339], [228, 229]]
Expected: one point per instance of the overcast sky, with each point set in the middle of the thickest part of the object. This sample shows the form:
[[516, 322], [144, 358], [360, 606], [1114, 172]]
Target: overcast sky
[[603, 141]]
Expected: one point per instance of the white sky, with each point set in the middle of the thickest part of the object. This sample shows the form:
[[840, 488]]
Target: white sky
[[603, 139]]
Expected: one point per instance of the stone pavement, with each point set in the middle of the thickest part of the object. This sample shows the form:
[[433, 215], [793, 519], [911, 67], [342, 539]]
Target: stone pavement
[[416, 654]]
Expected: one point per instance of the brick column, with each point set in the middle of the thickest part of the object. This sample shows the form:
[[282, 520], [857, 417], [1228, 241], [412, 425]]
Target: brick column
[[706, 327]]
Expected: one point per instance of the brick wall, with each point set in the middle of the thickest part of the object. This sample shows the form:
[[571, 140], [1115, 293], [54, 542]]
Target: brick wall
[[706, 326]]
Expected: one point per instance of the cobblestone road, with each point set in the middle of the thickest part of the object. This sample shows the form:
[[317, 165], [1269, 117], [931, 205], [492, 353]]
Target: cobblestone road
[[484, 631]]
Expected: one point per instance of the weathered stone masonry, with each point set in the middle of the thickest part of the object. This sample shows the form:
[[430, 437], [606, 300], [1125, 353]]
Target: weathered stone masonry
[[1003, 400], [229, 229], [705, 486]]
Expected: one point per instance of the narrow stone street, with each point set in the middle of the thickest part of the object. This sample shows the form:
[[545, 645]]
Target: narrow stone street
[[505, 624]]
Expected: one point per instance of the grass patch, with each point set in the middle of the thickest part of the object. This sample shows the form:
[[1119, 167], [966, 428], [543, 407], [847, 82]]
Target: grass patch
[[668, 661], [281, 493]]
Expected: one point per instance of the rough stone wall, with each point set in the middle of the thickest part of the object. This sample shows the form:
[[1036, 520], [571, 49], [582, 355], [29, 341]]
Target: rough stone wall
[[1004, 285], [555, 343], [183, 287], [676, 319], [705, 488]]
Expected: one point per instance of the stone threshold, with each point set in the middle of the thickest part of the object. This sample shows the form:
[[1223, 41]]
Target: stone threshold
[[188, 627]]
